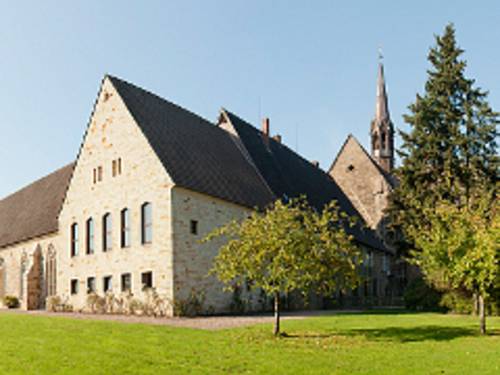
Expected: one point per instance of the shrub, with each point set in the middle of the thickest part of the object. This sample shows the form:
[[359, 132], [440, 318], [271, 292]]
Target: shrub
[[191, 306], [12, 302], [457, 302], [53, 303], [422, 297]]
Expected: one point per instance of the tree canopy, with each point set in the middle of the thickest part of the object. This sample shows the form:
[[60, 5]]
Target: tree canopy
[[288, 247], [449, 173]]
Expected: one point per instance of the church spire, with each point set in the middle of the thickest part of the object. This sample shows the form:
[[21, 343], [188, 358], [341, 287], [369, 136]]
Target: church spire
[[382, 131], [381, 110]]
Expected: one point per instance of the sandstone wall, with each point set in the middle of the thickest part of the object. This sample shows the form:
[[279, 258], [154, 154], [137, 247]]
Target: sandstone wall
[[112, 135], [192, 259], [17, 263]]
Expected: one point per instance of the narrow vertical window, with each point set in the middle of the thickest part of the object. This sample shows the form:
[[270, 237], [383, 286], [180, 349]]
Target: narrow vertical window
[[90, 236], [147, 280], [113, 168], [95, 175], [194, 227], [99, 173], [125, 228], [107, 232], [126, 282], [91, 285], [74, 239], [119, 165], [74, 286], [107, 284], [147, 223]]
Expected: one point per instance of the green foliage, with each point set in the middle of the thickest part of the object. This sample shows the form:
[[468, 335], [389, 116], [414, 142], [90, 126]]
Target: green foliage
[[193, 305], [449, 155], [12, 302], [419, 296], [458, 302], [463, 243], [288, 247], [444, 204]]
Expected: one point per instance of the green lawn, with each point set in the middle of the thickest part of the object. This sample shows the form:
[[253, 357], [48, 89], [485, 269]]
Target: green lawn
[[342, 344]]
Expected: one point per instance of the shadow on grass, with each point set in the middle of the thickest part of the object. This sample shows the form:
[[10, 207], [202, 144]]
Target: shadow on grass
[[399, 334], [413, 334]]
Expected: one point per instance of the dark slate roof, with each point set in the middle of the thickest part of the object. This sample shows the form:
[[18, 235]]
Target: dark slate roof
[[32, 211], [195, 153], [290, 176]]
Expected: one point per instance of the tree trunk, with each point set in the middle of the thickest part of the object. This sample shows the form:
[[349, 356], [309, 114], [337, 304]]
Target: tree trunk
[[482, 315], [276, 313], [476, 304]]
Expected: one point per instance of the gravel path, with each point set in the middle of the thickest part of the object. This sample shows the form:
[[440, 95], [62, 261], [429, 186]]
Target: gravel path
[[206, 323]]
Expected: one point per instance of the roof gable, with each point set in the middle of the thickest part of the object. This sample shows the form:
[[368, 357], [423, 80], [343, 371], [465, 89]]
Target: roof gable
[[289, 175], [195, 153], [353, 142], [32, 211]]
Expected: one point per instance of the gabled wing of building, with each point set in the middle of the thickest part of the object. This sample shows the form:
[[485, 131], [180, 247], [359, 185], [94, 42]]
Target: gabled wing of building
[[32, 211], [195, 153], [363, 180], [289, 175]]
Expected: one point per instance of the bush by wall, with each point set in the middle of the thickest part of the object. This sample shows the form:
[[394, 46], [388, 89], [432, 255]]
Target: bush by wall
[[12, 302], [421, 297]]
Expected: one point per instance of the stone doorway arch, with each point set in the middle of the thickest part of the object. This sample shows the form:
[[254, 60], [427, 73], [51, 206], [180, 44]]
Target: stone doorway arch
[[35, 281]]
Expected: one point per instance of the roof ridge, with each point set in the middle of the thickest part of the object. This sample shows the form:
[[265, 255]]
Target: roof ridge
[[178, 106]]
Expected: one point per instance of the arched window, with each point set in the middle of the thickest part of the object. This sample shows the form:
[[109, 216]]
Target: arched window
[[384, 140], [90, 248], [74, 239], [51, 272], [147, 223], [125, 228], [107, 232]]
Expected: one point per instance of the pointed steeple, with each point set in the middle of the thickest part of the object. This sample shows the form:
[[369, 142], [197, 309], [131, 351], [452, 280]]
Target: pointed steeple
[[382, 131], [381, 108]]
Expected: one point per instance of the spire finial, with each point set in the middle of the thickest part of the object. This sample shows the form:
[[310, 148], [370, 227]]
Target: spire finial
[[380, 55]]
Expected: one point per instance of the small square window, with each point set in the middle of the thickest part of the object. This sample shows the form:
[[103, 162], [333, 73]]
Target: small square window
[[147, 280], [126, 282], [107, 284], [91, 285], [194, 226], [350, 168], [74, 286]]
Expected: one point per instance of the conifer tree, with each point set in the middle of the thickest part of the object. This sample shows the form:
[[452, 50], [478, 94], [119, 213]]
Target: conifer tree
[[449, 156]]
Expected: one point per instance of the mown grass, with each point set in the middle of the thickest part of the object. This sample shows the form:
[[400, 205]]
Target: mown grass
[[377, 343]]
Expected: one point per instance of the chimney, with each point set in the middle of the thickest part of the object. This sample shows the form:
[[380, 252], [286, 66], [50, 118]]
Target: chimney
[[277, 138], [265, 126], [315, 163]]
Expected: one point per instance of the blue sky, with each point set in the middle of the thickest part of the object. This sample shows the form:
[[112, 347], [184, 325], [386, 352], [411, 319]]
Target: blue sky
[[308, 65]]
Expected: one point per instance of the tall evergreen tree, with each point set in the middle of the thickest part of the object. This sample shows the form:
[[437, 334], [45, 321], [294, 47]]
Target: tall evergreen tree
[[449, 156]]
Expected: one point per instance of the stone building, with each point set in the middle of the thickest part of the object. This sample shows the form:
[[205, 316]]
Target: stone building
[[149, 181], [367, 179]]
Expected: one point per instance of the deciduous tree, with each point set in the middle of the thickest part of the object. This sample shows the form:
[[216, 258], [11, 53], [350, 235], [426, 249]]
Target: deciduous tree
[[288, 247]]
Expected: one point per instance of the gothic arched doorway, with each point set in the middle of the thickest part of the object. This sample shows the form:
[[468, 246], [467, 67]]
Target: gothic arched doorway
[[35, 281]]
